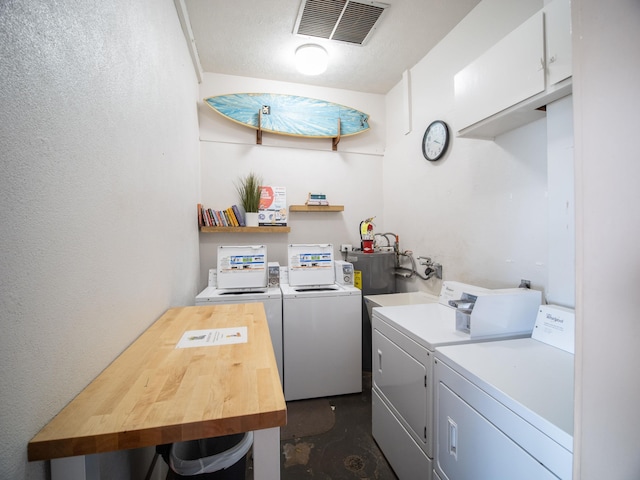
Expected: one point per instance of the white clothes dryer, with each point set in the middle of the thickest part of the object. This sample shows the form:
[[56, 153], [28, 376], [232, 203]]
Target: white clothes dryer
[[395, 299], [404, 341], [243, 275], [504, 409], [321, 325]]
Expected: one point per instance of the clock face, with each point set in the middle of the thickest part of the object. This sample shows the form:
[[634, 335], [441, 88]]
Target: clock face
[[435, 140]]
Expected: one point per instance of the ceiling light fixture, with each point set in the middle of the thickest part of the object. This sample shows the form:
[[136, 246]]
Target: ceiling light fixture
[[311, 59]]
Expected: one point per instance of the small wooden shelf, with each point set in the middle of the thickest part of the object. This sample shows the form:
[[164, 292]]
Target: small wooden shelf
[[245, 229], [316, 208]]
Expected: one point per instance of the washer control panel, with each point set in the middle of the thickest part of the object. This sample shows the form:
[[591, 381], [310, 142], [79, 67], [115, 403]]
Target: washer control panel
[[344, 272]]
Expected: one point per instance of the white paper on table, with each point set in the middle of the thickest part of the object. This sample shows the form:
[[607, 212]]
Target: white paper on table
[[212, 337]]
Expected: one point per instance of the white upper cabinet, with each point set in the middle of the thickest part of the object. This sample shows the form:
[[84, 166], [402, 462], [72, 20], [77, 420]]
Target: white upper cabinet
[[506, 86], [508, 73], [557, 19]]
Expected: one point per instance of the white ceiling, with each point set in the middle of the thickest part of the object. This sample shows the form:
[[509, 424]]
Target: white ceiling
[[254, 38]]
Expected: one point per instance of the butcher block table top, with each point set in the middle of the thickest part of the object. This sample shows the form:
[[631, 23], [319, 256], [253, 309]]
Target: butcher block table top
[[155, 393]]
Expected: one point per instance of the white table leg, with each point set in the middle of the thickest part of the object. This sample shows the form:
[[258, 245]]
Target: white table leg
[[83, 467], [266, 454]]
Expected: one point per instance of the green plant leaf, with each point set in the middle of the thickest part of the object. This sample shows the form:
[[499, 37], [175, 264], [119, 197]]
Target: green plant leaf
[[248, 188]]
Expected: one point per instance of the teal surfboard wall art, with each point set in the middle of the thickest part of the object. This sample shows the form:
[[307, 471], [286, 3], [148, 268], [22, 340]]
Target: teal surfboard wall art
[[290, 115]]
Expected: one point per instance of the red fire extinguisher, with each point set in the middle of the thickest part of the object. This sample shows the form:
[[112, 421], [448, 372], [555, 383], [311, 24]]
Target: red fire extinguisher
[[366, 235]]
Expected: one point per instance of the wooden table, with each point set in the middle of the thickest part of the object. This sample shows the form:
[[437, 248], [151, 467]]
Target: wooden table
[[155, 393]]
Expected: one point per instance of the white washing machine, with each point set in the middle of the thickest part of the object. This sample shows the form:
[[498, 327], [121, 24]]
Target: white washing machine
[[505, 408], [321, 316], [404, 341], [243, 275]]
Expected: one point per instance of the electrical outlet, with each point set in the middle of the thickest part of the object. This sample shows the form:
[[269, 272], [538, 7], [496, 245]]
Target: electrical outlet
[[345, 247]]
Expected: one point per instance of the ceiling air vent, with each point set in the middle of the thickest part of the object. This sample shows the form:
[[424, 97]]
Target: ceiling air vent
[[341, 20]]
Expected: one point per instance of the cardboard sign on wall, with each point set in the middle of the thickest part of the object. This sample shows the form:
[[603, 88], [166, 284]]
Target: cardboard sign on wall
[[273, 206]]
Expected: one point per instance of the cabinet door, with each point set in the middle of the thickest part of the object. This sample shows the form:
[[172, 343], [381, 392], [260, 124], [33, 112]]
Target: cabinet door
[[508, 73], [557, 16]]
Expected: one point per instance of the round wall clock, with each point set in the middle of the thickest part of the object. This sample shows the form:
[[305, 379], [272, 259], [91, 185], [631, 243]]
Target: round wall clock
[[435, 140]]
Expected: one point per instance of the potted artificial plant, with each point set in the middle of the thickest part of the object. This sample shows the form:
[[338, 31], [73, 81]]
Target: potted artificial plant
[[248, 188]]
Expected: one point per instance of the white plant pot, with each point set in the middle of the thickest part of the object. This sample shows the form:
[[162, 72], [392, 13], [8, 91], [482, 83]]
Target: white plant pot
[[251, 219]]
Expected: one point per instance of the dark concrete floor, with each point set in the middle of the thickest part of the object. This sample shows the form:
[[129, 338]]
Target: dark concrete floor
[[346, 452]]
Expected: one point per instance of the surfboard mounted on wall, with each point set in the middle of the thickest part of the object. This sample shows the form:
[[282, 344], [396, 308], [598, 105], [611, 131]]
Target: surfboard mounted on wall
[[290, 115]]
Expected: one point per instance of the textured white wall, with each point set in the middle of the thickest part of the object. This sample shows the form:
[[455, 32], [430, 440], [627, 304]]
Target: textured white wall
[[561, 289], [606, 102], [351, 176], [482, 210], [98, 184]]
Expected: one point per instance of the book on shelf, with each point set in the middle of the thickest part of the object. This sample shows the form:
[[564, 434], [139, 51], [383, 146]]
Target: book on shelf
[[232, 216], [203, 217], [200, 218], [316, 199], [219, 219], [316, 196], [239, 215]]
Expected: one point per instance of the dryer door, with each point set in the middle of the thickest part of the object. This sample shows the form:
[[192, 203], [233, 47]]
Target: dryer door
[[470, 447], [401, 379]]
